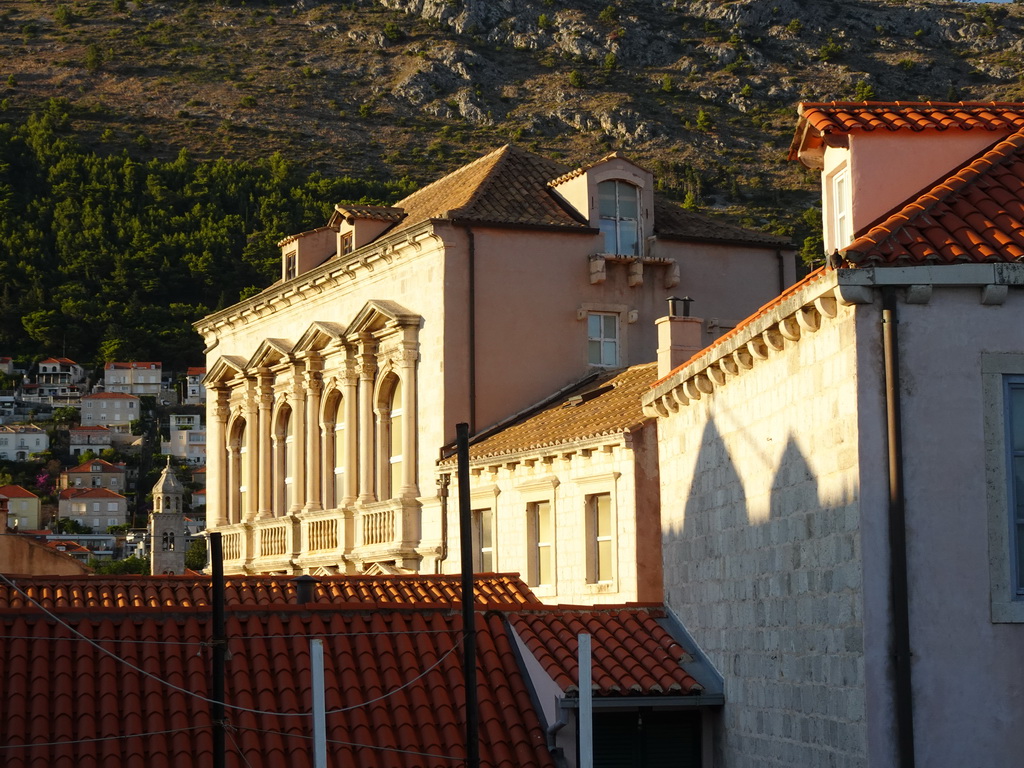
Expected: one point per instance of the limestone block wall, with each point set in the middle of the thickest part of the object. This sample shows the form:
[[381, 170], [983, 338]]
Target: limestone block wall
[[762, 550]]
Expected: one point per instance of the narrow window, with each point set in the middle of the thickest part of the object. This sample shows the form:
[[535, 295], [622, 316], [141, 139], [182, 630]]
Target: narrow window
[[483, 540], [346, 243], [618, 212], [601, 543], [603, 339], [1015, 445], [542, 554], [841, 208], [339, 454], [290, 266]]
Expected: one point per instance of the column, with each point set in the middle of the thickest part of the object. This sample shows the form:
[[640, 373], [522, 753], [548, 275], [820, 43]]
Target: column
[[251, 469], [351, 457], [367, 373], [297, 454], [264, 475], [407, 372], [314, 460], [216, 453]]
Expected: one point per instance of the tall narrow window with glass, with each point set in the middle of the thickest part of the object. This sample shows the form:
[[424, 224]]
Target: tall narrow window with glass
[[1015, 449], [542, 556], [603, 339], [483, 540], [619, 216]]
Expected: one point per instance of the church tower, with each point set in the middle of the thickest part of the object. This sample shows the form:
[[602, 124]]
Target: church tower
[[167, 525]]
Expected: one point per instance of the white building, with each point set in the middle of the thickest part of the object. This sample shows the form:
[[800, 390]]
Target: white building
[[114, 410], [187, 438], [133, 378], [19, 442]]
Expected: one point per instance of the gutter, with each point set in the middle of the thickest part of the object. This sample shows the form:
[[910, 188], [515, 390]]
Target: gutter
[[902, 684]]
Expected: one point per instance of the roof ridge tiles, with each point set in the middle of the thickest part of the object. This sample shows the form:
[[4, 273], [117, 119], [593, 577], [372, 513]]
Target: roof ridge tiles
[[949, 186]]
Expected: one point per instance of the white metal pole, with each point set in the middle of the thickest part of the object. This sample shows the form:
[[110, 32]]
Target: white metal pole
[[586, 710], [316, 665]]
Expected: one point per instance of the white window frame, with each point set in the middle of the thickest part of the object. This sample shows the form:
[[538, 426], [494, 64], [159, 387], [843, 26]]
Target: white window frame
[[603, 340], [484, 550], [538, 541], [594, 539], [840, 208], [999, 372], [611, 225]]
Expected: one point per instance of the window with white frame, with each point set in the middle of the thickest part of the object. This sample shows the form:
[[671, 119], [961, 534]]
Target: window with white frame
[[541, 528], [483, 540], [603, 338], [1014, 399], [841, 208], [619, 217], [600, 538]]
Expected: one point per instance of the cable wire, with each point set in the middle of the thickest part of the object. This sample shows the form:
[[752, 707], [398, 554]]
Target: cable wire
[[200, 697], [33, 745]]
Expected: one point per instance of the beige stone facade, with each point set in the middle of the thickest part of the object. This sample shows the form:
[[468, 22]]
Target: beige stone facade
[[332, 393]]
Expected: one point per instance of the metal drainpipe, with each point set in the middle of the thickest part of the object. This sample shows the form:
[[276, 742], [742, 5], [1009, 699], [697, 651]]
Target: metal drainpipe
[[897, 535]]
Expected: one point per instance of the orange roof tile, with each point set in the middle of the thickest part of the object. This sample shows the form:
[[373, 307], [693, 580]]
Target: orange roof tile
[[16, 492], [87, 466], [822, 119], [975, 215], [195, 371], [94, 592], [510, 186], [605, 406], [89, 493], [110, 396]]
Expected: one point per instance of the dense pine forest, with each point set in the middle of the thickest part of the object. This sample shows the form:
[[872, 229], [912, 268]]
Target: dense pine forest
[[105, 257]]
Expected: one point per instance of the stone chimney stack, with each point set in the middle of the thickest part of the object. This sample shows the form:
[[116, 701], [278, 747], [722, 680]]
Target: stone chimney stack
[[680, 337]]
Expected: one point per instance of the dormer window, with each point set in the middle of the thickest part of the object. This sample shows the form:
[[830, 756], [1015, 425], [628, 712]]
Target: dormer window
[[618, 209], [291, 267], [346, 243], [841, 208]]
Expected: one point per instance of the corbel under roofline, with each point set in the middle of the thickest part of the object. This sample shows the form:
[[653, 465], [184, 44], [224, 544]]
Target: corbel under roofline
[[804, 310]]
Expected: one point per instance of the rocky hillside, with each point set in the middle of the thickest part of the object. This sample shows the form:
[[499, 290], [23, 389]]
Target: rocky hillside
[[703, 92]]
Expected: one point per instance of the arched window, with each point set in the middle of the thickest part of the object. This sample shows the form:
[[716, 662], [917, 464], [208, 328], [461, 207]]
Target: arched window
[[333, 453], [236, 485], [619, 213], [283, 465], [389, 438]]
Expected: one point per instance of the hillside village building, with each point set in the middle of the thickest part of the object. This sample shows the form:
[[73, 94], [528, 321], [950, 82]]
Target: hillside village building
[[21, 441], [113, 410], [133, 378], [95, 508], [331, 393], [24, 509], [842, 483]]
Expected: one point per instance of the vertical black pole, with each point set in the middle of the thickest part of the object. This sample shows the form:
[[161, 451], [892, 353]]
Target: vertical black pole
[[219, 647], [468, 622]]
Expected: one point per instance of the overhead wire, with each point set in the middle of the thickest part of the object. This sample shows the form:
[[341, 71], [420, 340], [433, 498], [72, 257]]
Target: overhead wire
[[200, 697]]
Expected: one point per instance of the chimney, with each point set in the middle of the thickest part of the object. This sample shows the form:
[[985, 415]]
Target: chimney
[[679, 337], [3, 515], [305, 588]]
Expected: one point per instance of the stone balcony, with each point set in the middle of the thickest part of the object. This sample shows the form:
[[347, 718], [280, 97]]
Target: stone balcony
[[344, 540]]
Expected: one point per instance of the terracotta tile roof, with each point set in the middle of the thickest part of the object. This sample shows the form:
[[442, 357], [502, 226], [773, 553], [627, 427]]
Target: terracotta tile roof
[[16, 492], [393, 690], [511, 186], [68, 546], [975, 215], [110, 396], [632, 654], [195, 371], [507, 186], [96, 592], [374, 212], [819, 119], [132, 366], [63, 360], [605, 406], [89, 429], [89, 493], [106, 467], [676, 223]]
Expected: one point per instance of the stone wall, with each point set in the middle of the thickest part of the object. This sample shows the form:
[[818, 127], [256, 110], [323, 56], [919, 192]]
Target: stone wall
[[762, 550]]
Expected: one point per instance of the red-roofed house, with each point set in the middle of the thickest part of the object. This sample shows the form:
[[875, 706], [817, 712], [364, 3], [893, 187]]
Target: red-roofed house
[[331, 393], [95, 508], [24, 508], [97, 473], [842, 475], [394, 690], [133, 378], [114, 410], [58, 381], [94, 438], [195, 392]]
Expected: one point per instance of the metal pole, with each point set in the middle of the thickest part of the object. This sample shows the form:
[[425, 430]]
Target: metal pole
[[468, 622], [219, 648], [586, 704], [316, 669]]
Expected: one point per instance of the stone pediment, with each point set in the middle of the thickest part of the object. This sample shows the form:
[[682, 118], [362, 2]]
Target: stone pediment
[[269, 353]]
